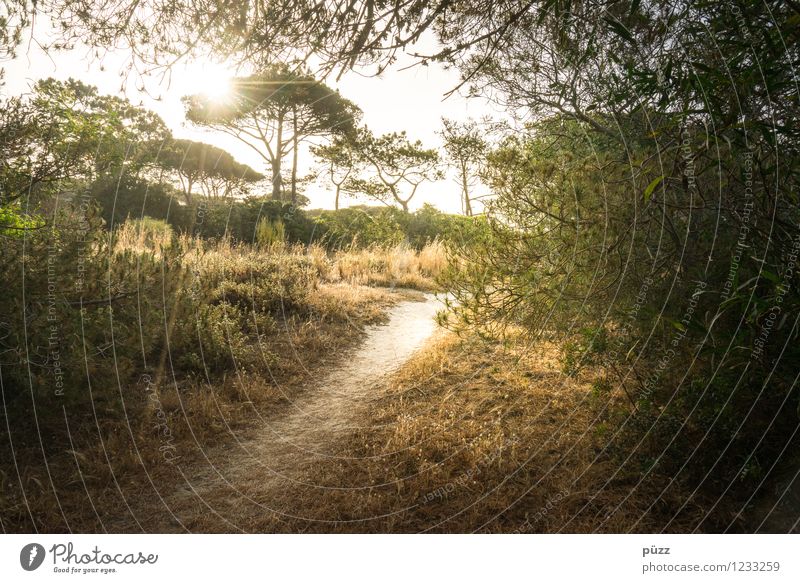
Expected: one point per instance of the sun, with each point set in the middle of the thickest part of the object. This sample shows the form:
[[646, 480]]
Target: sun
[[212, 80]]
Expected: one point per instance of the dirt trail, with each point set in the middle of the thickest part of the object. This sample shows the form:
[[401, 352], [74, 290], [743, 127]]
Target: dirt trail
[[235, 481]]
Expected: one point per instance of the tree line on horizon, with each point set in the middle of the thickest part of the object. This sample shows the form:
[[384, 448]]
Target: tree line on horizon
[[67, 129]]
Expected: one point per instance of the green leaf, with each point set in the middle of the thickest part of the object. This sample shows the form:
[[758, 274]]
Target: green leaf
[[768, 275], [648, 192], [619, 29], [543, 11], [677, 325]]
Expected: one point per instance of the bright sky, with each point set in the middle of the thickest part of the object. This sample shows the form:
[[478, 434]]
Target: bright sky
[[410, 100]]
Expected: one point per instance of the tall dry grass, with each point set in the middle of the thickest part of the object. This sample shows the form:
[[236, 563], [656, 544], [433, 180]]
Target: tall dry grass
[[396, 266], [392, 266], [208, 337]]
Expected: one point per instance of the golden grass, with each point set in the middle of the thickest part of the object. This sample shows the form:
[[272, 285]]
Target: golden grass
[[398, 266], [393, 266], [182, 416], [177, 422], [468, 437], [143, 235]]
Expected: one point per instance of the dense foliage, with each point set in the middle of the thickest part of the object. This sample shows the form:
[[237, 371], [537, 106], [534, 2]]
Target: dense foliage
[[649, 219]]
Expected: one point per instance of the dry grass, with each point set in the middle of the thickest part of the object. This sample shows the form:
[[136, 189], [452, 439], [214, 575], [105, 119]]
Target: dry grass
[[468, 436], [179, 413], [179, 421], [471, 437], [398, 266]]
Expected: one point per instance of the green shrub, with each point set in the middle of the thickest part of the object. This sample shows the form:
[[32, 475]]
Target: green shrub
[[270, 232], [360, 227], [92, 318], [585, 350]]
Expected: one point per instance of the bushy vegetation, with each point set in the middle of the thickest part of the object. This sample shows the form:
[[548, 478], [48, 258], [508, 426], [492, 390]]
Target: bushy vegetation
[[650, 247], [142, 298], [100, 311], [365, 226], [115, 305], [683, 292], [239, 219]]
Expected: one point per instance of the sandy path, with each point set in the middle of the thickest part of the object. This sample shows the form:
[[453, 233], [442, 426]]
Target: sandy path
[[235, 486]]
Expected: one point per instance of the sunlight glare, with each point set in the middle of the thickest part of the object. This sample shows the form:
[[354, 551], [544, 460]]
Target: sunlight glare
[[210, 79]]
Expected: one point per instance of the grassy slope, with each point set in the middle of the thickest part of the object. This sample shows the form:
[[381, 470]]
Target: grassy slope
[[476, 437]]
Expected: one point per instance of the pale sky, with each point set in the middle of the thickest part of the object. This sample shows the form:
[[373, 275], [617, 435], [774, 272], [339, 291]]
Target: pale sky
[[410, 100]]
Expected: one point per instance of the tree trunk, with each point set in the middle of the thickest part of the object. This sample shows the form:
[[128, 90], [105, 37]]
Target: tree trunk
[[189, 184], [336, 202], [276, 179], [465, 190], [277, 182], [294, 156], [396, 196]]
